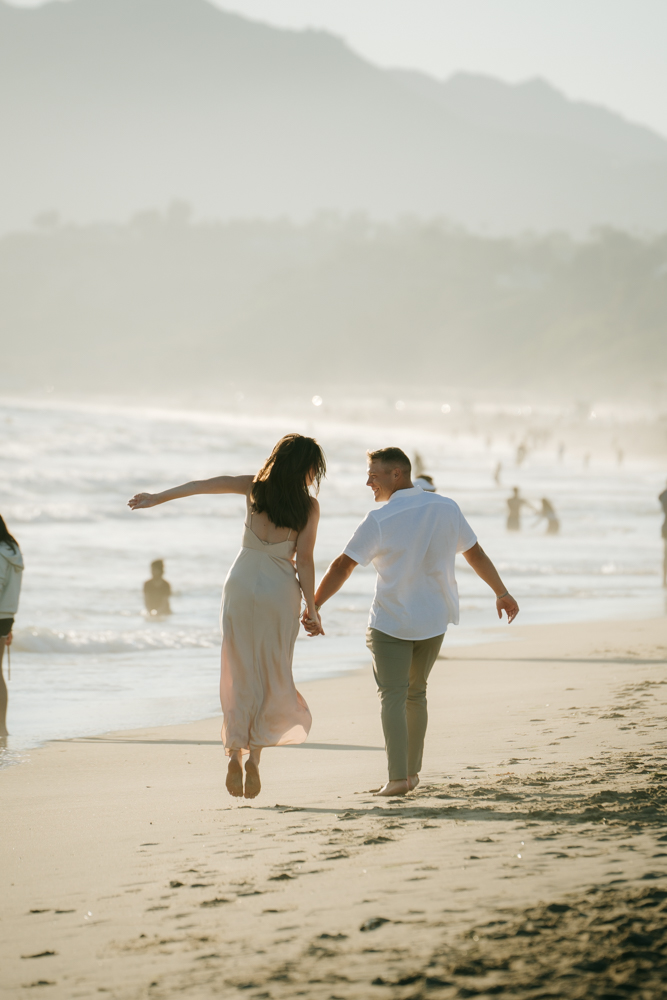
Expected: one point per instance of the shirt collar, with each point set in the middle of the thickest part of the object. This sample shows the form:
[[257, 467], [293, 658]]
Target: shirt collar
[[412, 492]]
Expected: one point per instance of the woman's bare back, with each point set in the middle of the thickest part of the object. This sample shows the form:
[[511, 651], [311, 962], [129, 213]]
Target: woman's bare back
[[265, 529]]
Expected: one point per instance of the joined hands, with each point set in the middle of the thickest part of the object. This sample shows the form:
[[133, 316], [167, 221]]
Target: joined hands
[[313, 626]]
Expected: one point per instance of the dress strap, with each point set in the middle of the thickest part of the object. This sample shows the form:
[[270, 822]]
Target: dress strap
[[289, 535]]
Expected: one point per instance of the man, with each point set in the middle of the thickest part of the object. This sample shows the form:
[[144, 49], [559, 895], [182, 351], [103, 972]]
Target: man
[[412, 542], [514, 505]]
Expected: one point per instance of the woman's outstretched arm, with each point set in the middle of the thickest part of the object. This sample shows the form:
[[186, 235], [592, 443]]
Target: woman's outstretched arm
[[219, 484], [305, 565]]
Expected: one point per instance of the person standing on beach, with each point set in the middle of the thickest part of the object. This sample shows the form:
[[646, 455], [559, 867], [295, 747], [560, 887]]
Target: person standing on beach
[[412, 542], [549, 514], [662, 499], [514, 505], [11, 576], [261, 602], [157, 591]]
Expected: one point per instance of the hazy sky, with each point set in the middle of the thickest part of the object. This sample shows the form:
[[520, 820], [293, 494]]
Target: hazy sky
[[609, 51]]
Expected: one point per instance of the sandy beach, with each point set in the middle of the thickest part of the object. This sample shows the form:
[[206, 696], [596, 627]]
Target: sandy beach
[[529, 863]]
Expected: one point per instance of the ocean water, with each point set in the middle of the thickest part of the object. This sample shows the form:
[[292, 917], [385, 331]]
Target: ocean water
[[86, 659]]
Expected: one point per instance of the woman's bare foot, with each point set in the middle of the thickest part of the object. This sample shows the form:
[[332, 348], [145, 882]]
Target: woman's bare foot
[[413, 781], [399, 787], [253, 785], [234, 780]]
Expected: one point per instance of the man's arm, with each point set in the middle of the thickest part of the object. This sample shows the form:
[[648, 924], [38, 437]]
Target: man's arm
[[331, 582], [477, 558], [334, 578]]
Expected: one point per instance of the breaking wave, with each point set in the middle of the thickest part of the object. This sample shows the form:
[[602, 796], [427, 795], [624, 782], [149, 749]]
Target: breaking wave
[[46, 640]]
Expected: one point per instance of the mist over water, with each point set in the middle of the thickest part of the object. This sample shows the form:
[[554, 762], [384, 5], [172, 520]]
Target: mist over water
[[85, 657]]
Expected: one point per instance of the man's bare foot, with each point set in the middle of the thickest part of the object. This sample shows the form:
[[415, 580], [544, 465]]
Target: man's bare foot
[[253, 785], [234, 780], [399, 787], [413, 781]]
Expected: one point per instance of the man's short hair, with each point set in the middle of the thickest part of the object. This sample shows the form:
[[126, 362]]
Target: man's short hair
[[392, 458]]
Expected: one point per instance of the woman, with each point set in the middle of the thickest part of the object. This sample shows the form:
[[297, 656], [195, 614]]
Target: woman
[[549, 514], [11, 574], [261, 602]]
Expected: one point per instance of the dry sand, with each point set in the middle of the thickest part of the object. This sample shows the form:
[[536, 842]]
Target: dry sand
[[530, 863]]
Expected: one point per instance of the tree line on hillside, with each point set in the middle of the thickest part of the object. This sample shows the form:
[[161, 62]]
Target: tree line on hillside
[[165, 300]]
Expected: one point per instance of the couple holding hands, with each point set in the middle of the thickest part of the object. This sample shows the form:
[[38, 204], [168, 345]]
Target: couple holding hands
[[411, 541]]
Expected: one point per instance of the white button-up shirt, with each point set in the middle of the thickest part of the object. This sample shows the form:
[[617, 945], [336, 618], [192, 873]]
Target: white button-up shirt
[[412, 541]]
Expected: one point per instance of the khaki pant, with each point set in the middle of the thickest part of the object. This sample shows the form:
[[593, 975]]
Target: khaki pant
[[401, 668]]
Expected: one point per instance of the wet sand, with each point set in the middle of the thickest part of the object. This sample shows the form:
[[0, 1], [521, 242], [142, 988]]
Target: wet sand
[[530, 862]]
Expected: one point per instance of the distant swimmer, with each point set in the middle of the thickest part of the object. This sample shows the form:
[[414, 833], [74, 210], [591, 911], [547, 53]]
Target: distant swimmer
[[549, 514], [426, 483], [561, 451], [514, 505], [157, 591], [663, 503], [497, 473], [521, 454]]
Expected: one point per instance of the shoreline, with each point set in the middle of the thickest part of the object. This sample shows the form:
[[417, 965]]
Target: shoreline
[[465, 638], [544, 793]]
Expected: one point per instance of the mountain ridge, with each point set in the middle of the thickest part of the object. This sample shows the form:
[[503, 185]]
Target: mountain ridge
[[108, 107], [459, 91]]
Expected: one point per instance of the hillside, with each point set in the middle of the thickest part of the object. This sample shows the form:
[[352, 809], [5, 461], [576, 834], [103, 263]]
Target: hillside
[[163, 304], [108, 107]]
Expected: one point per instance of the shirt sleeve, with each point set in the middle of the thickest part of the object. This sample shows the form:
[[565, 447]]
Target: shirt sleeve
[[364, 544], [467, 537]]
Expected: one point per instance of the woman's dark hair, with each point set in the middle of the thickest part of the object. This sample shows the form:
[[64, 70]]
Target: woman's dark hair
[[6, 537], [280, 489]]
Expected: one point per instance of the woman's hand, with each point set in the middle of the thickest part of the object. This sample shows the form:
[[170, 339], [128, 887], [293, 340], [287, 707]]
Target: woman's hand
[[142, 500], [8, 639], [312, 622]]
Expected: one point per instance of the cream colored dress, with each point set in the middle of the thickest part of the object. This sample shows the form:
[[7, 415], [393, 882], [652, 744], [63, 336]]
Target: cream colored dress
[[261, 602]]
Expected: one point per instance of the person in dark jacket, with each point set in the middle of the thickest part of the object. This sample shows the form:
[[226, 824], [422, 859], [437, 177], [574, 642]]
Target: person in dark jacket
[[11, 574], [662, 499]]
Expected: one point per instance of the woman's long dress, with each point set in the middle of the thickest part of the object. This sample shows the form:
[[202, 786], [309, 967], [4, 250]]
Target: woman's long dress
[[261, 601]]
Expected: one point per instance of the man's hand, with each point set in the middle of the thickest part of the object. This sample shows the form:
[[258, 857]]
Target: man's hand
[[478, 560], [509, 606]]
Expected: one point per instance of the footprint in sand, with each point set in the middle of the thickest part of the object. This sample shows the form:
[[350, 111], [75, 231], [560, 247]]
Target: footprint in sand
[[373, 923]]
